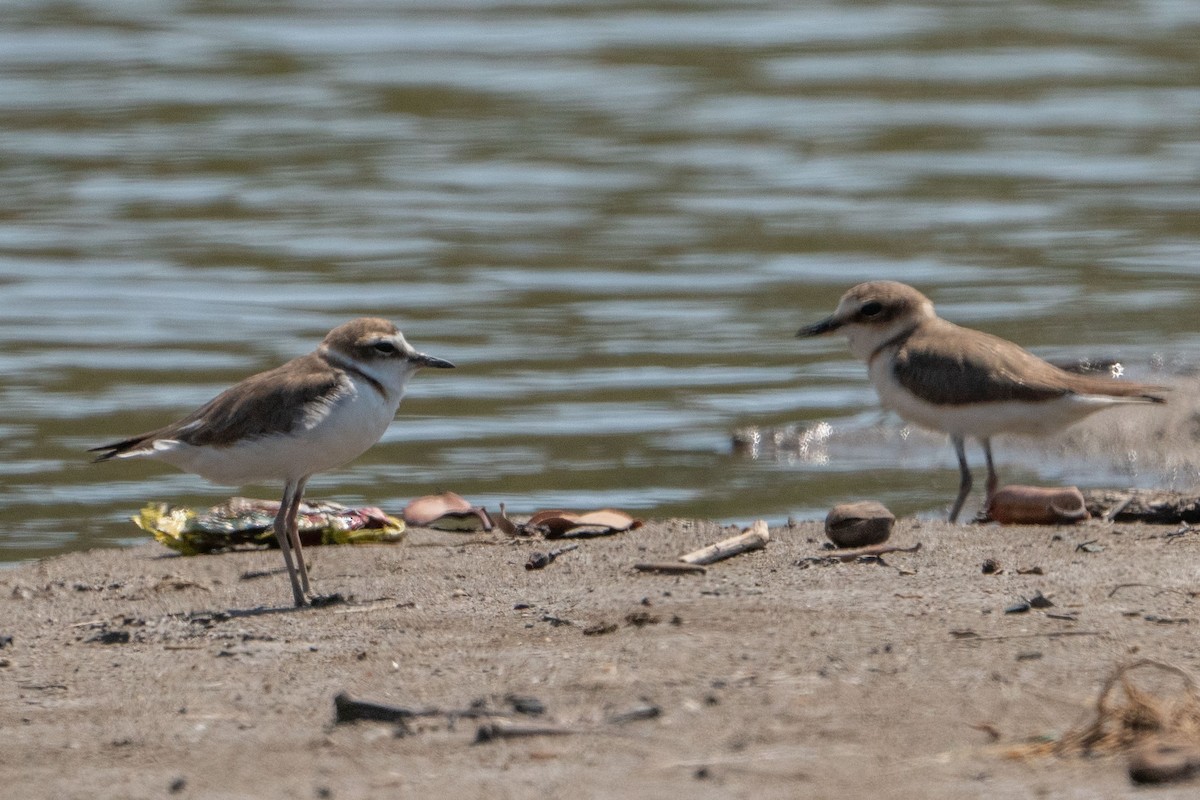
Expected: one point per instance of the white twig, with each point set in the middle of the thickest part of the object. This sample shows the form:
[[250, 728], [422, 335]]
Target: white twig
[[754, 539]]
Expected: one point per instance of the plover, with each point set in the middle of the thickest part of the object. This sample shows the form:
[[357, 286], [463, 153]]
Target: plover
[[310, 415], [963, 382]]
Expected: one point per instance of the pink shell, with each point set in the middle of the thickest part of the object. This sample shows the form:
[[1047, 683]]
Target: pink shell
[[1037, 505]]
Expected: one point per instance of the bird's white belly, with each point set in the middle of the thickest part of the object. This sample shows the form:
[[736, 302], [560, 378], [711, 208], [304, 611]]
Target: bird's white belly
[[355, 423], [982, 420]]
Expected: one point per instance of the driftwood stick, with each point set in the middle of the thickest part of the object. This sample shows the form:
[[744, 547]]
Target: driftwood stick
[[1035, 635], [874, 550], [670, 567], [515, 730], [539, 560], [754, 539]]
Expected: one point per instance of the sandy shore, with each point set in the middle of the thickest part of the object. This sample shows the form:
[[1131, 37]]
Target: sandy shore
[[135, 673]]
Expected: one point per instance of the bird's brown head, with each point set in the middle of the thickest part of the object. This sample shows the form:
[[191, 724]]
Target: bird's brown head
[[873, 312], [371, 340]]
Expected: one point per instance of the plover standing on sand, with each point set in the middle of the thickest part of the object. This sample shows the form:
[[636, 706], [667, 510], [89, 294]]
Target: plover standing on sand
[[310, 415], [963, 382]]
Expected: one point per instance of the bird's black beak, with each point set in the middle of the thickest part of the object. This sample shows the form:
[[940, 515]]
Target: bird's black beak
[[422, 360], [824, 326]]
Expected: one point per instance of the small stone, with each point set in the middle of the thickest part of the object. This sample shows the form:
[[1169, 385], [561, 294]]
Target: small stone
[[859, 524]]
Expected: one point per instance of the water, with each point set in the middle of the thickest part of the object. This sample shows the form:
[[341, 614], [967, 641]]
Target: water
[[612, 217]]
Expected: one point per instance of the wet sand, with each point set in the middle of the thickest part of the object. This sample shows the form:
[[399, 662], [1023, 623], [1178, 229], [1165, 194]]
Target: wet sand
[[135, 673]]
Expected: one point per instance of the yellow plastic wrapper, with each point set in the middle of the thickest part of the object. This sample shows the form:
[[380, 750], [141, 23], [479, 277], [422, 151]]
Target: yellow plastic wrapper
[[243, 523]]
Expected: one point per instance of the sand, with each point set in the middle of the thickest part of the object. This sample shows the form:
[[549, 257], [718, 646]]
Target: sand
[[135, 673]]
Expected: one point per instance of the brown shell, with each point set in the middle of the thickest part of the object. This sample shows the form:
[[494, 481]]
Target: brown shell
[[1037, 505], [859, 524]]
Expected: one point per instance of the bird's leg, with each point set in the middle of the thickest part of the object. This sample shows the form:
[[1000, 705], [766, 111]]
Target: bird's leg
[[992, 479], [294, 532], [964, 485], [281, 534]]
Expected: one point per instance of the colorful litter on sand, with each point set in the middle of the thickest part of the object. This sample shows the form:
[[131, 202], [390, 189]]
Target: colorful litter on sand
[[243, 522]]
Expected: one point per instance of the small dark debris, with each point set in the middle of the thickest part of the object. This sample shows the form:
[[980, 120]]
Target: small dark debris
[[556, 621], [1040, 600], [1019, 607], [538, 560], [1068, 616], [991, 567], [1029, 655], [5, 641], [521, 606], [1031, 571], [486, 733], [676, 619], [1167, 620], [636, 714], [702, 774], [600, 629], [350, 710], [1164, 761], [1089, 546], [255, 574], [111, 637], [177, 785], [640, 619], [523, 704], [97, 587], [964, 633], [326, 600], [324, 793]]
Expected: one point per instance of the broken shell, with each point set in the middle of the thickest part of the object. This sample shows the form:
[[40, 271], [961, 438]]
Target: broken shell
[[557, 522], [447, 511], [859, 524], [1037, 505]]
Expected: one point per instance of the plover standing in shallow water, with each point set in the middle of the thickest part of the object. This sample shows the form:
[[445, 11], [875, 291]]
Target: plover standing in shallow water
[[963, 382], [310, 415]]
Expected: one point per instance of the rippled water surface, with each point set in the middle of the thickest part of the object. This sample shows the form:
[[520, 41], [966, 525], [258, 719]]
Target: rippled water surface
[[613, 217]]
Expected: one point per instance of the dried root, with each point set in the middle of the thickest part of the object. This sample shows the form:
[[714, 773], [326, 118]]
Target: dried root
[[1129, 717]]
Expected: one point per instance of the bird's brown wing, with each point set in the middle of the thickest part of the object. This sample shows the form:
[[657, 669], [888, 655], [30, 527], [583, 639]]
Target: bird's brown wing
[[949, 365], [272, 402]]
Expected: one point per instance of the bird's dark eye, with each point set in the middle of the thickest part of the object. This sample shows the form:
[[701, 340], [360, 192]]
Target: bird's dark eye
[[871, 309], [387, 348]]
